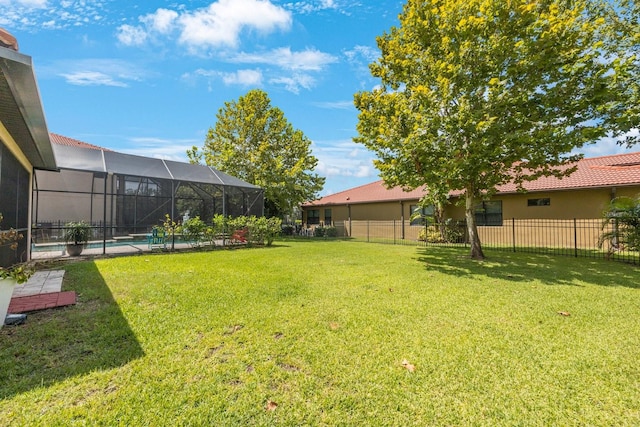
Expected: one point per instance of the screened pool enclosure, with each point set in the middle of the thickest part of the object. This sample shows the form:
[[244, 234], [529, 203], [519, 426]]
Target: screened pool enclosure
[[124, 195]]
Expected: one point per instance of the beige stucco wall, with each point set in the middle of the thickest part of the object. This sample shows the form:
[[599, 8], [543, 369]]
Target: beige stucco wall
[[569, 204]]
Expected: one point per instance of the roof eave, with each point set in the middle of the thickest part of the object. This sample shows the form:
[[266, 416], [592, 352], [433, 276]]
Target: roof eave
[[30, 130]]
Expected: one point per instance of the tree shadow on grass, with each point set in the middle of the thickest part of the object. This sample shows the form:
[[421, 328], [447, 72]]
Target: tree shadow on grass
[[57, 344], [525, 267]]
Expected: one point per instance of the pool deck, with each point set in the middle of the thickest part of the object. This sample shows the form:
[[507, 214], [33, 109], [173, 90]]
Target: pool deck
[[124, 247]]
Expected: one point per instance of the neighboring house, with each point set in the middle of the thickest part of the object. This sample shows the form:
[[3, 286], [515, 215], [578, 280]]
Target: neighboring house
[[24, 144], [583, 195]]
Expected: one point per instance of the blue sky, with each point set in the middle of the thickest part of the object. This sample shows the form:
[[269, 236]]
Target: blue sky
[[149, 77]]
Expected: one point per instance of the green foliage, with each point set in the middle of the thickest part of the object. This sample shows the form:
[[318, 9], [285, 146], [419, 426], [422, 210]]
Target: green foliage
[[169, 226], [475, 94], [196, 231], [256, 230], [287, 230], [622, 220], [77, 233], [253, 141], [319, 231], [331, 231], [446, 232], [18, 272]]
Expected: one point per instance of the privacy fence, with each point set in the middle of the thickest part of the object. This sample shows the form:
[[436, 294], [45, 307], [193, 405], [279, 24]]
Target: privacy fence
[[575, 237]]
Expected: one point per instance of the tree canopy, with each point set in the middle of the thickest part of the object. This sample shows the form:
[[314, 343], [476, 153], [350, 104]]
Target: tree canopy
[[477, 93], [253, 141]]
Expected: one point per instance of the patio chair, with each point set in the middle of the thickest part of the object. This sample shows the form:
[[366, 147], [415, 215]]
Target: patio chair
[[157, 238]]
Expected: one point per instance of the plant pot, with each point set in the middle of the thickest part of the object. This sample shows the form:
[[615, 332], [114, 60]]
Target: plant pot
[[6, 290], [74, 250]]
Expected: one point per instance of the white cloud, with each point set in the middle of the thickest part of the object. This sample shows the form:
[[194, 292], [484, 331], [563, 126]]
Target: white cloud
[[306, 7], [335, 105], [162, 21], [361, 53], [243, 78], [608, 146], [50, 14], [218, 25], [91, 78], [160, 148], [26, 3], [359, 59], [308, 60], [96, 72], [294, 82], [239, 77], [131, 36], [343, 159]]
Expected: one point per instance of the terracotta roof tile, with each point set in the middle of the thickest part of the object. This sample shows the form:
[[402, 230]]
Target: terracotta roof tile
[[64, 140], [596, 172]]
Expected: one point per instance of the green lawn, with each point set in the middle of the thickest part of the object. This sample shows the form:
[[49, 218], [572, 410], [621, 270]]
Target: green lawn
[[322, 328]]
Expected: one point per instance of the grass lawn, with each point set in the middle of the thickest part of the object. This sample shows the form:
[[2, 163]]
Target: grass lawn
[[331, 333]]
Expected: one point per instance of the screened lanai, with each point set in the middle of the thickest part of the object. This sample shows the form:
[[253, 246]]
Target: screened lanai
[[122, 194]]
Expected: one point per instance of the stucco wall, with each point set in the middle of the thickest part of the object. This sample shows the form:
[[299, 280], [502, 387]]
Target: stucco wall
[[569, 204]]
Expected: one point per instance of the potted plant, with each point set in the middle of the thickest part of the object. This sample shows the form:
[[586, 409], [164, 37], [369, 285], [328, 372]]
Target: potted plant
[[12, 275], [76, 235]]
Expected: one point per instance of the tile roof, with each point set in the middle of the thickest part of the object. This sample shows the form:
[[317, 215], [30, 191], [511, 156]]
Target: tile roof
[[64, 140], [595, 172]]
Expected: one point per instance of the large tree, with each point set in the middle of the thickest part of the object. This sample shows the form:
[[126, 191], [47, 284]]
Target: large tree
[[477, 93], [253, 141]]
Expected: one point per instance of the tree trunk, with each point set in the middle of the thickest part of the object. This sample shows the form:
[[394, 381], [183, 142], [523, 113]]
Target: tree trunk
[[472, 229]]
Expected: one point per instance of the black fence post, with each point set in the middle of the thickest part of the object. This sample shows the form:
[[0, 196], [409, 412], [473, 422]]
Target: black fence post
[[575, 237], [513, 233], [367, 231], [394, 231]]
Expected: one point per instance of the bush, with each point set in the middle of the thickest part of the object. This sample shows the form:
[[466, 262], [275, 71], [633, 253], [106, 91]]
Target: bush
[[622, 220], [448, 232], [287, 230], [194, 231], [318, 232], [331, 231], [256, 230]]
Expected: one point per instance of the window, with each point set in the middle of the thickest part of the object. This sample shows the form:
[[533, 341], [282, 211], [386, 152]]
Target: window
[[489, 213], [425, 213], [327, 217], [539, 202], [313, 216]]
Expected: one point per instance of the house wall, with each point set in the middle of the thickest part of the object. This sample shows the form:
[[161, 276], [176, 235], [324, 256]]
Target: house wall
[[563, 206], [382, 211]]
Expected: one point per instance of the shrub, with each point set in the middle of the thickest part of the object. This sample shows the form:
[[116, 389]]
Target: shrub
[[256, 230], [318, 231], [622, 219], [287, 230], [331, 231], [447, 232], [194, 231]]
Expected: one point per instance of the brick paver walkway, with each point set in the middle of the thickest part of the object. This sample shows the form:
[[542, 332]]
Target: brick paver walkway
[[42, 291], [41, 302]]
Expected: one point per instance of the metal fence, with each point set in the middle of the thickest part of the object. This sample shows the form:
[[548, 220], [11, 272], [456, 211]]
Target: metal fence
[[574, 237], [53, 231]]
